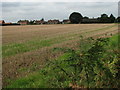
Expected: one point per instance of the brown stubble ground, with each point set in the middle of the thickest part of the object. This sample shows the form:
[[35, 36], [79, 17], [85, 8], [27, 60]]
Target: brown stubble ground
[[11, 34], [15, 34]]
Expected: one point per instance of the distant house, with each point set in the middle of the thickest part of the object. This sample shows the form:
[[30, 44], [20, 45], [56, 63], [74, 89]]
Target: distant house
[[66, 21], [8, 23], [53, 22], [2, 22], [23, 22], [90, 20], [39, 22]]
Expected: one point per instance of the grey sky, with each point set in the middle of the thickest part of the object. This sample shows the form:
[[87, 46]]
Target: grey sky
[[14, 11]]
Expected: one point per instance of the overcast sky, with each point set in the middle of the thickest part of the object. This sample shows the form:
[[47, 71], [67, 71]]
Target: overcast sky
[[14, 11]]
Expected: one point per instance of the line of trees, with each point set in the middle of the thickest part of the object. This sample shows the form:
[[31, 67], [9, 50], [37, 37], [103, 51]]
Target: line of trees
[[106, 19], [76, 17]]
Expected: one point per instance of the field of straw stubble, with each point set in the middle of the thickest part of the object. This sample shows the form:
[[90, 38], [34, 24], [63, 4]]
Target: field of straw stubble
[[26, 49]]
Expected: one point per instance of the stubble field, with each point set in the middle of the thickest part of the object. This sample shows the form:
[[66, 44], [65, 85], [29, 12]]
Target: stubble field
[[26, 49]]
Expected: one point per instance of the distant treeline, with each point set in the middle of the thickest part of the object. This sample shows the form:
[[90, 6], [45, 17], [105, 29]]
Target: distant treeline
[[12, 24], [76, 17]]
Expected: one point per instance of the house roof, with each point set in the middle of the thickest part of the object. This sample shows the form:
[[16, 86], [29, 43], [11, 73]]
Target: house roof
[[39, 21], [2, 21], [66, 20], [23, 21], [53, 20]]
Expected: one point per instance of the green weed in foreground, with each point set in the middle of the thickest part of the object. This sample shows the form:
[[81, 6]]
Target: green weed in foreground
[[114, 41], [33, 81], [94, 67]]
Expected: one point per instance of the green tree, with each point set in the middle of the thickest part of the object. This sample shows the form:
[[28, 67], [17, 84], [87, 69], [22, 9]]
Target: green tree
[[31, 22], [118, 19], [112, 18], [42, 19], [75, 18], [85, 17], [104, 18]]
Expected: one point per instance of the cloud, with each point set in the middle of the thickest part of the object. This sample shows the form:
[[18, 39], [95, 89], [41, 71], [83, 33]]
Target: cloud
[[14, 11], [59, 0]]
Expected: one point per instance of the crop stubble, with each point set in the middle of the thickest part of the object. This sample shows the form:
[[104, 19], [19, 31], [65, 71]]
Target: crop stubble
[[22, 34]]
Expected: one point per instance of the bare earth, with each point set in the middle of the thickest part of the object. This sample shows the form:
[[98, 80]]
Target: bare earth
[[22, 64]]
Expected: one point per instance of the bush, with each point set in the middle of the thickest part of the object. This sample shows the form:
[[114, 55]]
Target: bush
[[88, 69]]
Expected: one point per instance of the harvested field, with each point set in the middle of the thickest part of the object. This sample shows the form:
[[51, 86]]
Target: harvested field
[[27, 48], [18, 34]]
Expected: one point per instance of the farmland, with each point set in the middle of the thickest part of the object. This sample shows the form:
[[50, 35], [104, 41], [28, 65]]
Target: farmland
[[26, 49]]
